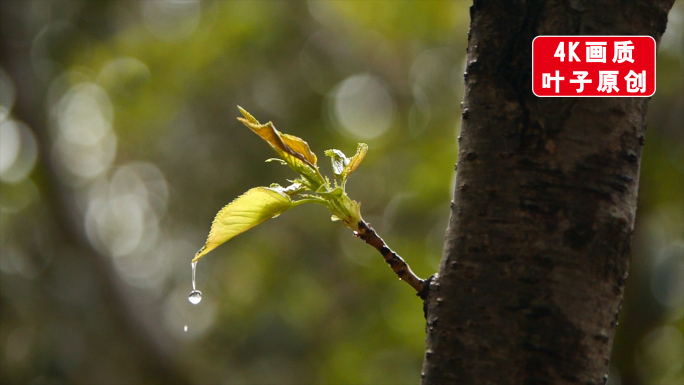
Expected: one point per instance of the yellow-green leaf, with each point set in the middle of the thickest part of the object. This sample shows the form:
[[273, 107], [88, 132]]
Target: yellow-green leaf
[[293, 150], [247, 115], [299, 146], [280, 142], [339, 161], [247, 211], [355, 161]]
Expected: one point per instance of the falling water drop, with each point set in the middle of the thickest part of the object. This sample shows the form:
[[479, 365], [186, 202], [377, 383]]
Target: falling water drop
[[195, 295], [185, 328]]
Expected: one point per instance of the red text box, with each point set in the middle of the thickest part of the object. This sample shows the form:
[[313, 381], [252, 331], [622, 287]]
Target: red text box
[[593, 66]]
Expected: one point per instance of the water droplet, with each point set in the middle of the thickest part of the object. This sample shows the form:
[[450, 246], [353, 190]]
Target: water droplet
[[195, 297], [185, 328], [194, 267]]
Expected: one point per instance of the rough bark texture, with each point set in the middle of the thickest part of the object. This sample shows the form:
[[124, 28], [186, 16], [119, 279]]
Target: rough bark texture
[[537, 249]]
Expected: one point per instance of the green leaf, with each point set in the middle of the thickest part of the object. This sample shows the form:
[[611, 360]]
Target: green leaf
[[276, 160], [342, 208], [343, 166], [247, 211], [355, 161], [291, 149], [294, 188], [299, 146], [339, 161]]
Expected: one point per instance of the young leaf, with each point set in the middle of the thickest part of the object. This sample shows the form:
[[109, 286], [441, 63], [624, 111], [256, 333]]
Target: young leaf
[[339, 161], [299, 146], [355, 161], [247, 211], [276, 160], [343, 208], [293, 150], [294, 188]]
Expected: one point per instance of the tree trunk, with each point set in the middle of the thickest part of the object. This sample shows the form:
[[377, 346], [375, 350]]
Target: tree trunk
[[538, 244]]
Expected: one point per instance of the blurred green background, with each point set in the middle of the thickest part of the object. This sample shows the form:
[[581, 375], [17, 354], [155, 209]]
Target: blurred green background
[[118, 145]]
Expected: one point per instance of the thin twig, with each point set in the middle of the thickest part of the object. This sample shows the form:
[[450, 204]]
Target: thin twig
[[398, 265]]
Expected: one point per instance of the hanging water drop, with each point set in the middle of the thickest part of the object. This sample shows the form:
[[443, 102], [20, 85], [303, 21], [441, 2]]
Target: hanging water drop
[[195, 295], [194, 267]]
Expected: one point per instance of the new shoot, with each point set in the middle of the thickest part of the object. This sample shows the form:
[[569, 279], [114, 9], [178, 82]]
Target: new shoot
[[262, 203]]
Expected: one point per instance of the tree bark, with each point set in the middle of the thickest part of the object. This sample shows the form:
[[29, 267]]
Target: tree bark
[[537, 249]]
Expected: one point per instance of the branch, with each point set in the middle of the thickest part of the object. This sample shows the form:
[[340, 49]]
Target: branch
[[398, 265]]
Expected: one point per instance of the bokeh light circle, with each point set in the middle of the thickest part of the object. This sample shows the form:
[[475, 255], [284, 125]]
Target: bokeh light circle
[[363, 107]]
